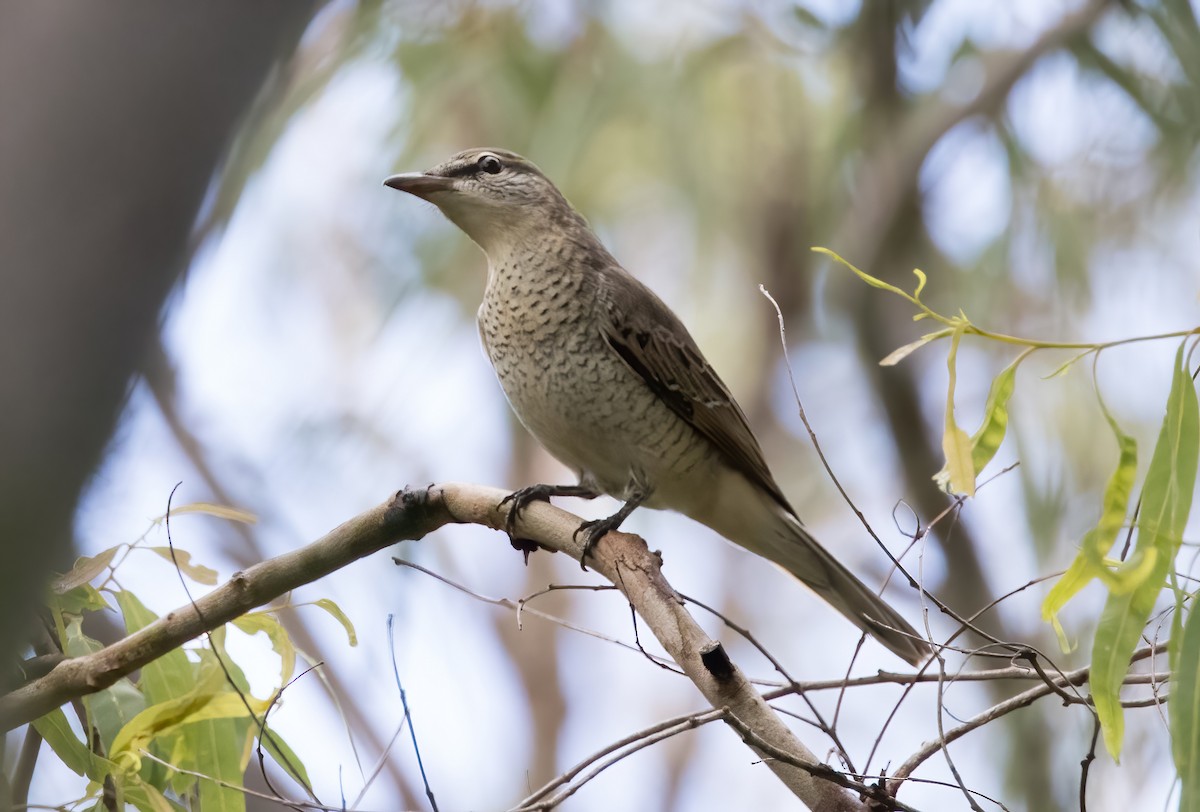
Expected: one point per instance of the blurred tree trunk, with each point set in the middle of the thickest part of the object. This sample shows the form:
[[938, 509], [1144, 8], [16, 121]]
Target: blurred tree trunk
[[115, 117]]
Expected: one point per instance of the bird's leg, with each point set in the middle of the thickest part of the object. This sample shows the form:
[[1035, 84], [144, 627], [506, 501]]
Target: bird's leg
[[595, 529], [536, 493]]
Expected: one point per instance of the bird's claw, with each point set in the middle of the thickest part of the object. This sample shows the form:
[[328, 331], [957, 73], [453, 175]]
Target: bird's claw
[[521, 499], [592, 531]]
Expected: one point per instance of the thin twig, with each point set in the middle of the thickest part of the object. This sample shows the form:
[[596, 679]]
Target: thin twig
[[407, 715], [642, 738], [522, 609]]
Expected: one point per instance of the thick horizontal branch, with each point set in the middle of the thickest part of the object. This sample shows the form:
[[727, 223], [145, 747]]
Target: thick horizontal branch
[[411, 514]]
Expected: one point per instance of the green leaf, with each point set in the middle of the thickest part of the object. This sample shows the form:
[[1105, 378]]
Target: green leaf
[[1089, 563], [335, 610], [145, 797], [284, 756], [112, 708], [85, 569], [221, 750], [76, 755], [183, 560], [170, 676], [986, 441], [956, 445], [83, 598], [1184, 710], [1166, 502], [1120, 627]]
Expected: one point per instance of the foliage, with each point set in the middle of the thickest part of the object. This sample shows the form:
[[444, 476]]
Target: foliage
[[181, 735], [1135, 582]]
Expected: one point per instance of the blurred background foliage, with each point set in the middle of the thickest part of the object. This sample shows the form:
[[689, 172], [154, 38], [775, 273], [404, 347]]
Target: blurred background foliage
[[1036, 159]]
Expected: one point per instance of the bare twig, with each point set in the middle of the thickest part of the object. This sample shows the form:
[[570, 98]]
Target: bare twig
[[1021, 700], [612, 753], [521, 607]]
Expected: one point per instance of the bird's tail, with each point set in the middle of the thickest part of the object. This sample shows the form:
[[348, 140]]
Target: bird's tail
[[804, 557], [774, 533]]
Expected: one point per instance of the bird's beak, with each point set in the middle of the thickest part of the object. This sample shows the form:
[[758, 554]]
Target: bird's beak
[[420, 184]]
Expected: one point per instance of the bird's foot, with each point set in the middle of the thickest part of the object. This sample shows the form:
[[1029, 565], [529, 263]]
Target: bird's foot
[[594, 530], [522, 498]]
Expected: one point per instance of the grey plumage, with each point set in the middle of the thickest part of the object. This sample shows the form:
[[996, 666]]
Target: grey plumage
[[609, 380]]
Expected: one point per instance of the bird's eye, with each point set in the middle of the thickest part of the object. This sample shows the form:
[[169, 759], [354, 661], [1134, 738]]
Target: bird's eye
[[490, 164]]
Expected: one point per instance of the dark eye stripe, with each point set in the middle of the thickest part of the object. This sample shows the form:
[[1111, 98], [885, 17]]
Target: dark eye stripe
[[461, 171]]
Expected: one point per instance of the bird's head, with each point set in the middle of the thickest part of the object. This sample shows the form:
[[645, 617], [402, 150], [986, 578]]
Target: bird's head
[[497, 197]]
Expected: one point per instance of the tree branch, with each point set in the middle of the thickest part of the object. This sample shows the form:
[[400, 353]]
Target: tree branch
[[409, 515]]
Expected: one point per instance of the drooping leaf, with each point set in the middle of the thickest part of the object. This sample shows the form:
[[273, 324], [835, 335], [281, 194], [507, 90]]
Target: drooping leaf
[[341, 617], [1166, 502], [956, 445], [268, 624], [1117, 633], [985, 442], [285, 756], [1089, 563], [1184, 709]]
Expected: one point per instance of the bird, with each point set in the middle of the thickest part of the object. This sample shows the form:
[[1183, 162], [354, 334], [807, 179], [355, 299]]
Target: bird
[[609, 380]]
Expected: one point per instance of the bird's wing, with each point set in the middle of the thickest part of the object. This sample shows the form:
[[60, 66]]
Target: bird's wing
[[654, 343]]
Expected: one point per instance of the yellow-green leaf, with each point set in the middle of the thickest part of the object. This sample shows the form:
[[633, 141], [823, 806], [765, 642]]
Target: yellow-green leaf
[[217, 747], [956, 445], [183, 559], [83, 598], [269, 625], [1089, 563], [335, 610], [173, 714], [986, 441]]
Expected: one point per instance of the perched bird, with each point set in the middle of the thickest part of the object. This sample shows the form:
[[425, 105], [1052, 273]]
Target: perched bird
[[609, 380]]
